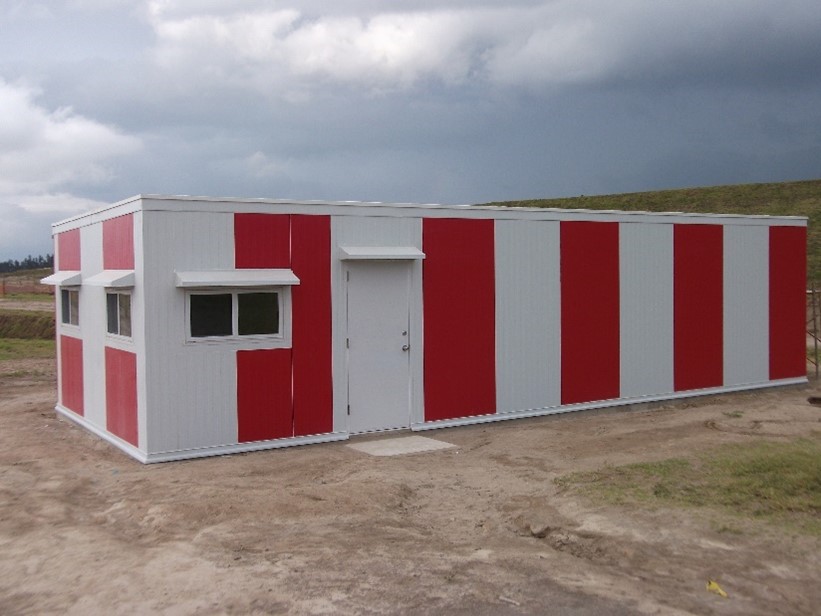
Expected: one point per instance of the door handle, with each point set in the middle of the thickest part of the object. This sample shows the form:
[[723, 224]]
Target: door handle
[[405, 347]]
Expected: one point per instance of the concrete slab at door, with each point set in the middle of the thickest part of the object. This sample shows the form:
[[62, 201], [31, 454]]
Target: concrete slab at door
[[378, 346]]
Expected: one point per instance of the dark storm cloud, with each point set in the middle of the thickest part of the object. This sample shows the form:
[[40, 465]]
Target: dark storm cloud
[[434, 101]]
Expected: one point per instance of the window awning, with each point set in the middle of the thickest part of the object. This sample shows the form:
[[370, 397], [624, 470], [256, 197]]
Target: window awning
[[380, 253], [67, 278], [118, 279], [237, 278]]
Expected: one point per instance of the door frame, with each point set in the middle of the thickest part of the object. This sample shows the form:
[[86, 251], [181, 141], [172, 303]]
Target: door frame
[[404, 267], [415, 335]]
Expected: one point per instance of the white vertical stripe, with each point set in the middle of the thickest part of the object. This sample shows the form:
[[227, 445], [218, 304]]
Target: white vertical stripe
[[192, 392], [374, 231], [746, 304], [93, 327], [528, 315], [646, 309]]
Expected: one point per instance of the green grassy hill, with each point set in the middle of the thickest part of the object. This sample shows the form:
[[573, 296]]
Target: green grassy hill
[[782, 199]]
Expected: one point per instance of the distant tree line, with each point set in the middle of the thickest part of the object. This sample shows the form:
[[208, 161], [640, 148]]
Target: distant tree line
[[13, 265]]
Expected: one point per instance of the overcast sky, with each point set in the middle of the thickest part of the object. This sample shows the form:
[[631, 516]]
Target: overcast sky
[[443, 101]]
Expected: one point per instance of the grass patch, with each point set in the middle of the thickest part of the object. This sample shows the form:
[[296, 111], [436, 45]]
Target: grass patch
[[46, 298], [26, 324], [774, 199], [776, 482], [40, 272], [15, 348]]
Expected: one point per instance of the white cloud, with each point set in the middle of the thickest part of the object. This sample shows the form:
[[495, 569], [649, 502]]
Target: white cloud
[[44, 156], [518, 44], [45, 151]]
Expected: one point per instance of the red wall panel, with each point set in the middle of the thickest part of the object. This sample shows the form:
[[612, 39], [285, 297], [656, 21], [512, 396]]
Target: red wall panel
[[698, 306], [71, 373], [788, 279], [460, 318], [121, 394], [264, 407], [590, 311], [118, 243], [68, 250], [311, 301], [262, 240]]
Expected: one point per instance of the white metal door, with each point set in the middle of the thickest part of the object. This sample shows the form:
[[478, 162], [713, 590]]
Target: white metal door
[[378, 345]]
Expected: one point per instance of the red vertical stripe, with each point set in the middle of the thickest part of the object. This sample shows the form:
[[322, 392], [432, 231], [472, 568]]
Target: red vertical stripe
[[460, 318], [262, 240], [788, 280], [68, 250], [311, 300], [118, 243], [264, 395], [590, 311], [121, 394], [698, 306], [71, 373]]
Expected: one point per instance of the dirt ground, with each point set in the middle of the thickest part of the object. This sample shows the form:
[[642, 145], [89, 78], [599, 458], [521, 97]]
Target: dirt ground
[[322, 529]]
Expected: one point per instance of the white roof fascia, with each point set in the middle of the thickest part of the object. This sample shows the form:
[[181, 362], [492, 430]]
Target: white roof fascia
[[66, 278], [236, 278], [116, 279], [380, 253]]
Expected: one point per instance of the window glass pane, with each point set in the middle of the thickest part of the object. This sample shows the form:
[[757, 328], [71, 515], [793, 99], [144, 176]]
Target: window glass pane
[[258, 313], [74, 307], [65, 311], [111, 312], [211, 315], [125, 314]]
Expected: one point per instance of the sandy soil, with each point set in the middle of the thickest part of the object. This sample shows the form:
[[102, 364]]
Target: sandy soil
[[478, 529]]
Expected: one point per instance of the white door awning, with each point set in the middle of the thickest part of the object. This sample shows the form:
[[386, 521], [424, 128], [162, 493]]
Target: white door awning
[[117, 279], [380, 253], [66, 278], [236, 278]]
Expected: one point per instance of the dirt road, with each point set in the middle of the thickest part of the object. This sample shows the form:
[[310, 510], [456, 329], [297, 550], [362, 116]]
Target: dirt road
[[477, 529]]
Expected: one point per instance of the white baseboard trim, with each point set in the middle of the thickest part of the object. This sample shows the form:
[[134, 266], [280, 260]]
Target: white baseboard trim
[[601, 404]]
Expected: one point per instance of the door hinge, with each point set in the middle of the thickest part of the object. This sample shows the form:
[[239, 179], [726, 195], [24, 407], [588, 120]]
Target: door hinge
[[349, 409], [347, 275], [347, 343]]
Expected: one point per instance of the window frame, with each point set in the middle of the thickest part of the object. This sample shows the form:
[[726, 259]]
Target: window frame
[[117, 335], [282, 339], [65, 307]]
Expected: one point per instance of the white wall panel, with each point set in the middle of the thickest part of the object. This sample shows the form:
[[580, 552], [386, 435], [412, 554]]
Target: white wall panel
[[528, 315], [93, 326], [191, 398], [646, 308], [746, 304], [374, 231]]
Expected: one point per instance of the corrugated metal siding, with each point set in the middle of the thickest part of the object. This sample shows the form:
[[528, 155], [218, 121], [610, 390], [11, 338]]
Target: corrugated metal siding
[[118, 243], [262, 240], [264, 402], [68, 250], [788, 279], [71, 368], [459, 316], [312, 376], [646, 316], [192, 392], [590, 311], [528, 315], [698, 270], [746, 305], [121, 394]]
